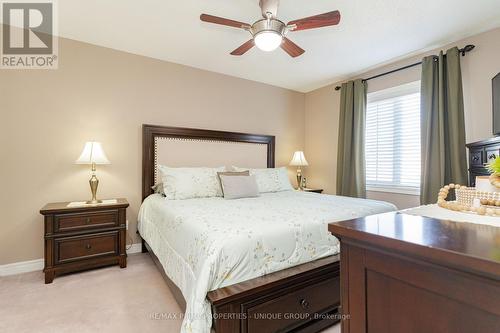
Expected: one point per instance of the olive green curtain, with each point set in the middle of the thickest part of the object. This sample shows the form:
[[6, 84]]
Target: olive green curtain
[[351, 150], [442, 125]]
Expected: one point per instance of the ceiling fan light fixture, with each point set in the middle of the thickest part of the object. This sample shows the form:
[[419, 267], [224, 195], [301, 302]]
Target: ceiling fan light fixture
[[269, 33], [268, 40]]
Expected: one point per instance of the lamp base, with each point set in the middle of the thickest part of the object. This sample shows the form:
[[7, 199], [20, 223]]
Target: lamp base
[[299, 179], [94, 182], [93, 202]]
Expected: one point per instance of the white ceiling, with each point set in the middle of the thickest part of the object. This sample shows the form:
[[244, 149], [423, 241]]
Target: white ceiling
[[371, 32]]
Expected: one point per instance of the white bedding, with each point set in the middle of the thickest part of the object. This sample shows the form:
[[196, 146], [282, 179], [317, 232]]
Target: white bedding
[[205, 244]]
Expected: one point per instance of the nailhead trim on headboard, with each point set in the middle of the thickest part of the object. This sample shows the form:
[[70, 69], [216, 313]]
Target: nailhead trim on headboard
[[157, 138]]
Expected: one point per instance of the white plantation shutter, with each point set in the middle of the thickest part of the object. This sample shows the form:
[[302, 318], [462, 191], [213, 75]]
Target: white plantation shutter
[[392, 144]]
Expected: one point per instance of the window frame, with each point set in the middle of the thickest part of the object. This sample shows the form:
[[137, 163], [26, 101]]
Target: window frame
[[380, 95]]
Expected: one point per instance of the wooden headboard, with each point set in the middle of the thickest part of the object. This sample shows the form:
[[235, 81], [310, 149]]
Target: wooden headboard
[[189, 147]]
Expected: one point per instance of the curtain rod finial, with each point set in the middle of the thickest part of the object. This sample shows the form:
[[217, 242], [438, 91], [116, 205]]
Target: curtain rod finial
[[467, 48], [337, 88]]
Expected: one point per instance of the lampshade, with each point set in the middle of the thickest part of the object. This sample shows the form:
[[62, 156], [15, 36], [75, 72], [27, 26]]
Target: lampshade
[[299, 159], [92, 153]]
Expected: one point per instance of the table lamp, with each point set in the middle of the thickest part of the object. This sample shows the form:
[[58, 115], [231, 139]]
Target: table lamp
[[93, 154], [299, 160]]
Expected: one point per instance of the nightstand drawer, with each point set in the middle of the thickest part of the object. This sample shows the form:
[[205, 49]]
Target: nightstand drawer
[[85, 247], [88, 220]]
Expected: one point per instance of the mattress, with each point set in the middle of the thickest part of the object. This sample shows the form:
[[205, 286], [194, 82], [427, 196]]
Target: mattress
[[209, 243]]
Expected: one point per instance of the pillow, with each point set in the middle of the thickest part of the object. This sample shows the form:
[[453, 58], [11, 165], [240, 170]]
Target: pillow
[[188, 183], [239, 187], [158, 188], [270, 179], [230, 173], [233, 173]]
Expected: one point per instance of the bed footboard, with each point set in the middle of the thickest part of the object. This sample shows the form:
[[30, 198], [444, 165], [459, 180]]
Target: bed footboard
[[304, 298]]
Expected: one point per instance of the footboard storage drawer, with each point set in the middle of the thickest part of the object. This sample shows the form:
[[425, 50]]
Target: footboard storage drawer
[[86, 247], [294, 308], [303, 298]]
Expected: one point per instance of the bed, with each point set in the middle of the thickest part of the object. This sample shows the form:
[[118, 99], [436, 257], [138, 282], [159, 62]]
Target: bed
[[263, 264]]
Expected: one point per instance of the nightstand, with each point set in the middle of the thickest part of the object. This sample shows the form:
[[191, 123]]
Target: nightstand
[[79, 237], [312, 190]]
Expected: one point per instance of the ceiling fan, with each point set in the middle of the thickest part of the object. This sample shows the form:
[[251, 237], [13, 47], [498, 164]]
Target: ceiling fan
[[270, 33]]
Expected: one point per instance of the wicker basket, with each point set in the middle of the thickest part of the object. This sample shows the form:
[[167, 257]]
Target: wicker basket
[[466, 195]]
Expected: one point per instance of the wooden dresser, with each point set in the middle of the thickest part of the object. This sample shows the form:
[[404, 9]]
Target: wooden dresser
[[481, 153], [402, 273], [83, 237]]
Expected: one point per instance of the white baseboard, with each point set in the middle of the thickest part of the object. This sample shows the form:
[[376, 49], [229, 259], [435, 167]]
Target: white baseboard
[[21, 267], [134, 248], [37, 264]]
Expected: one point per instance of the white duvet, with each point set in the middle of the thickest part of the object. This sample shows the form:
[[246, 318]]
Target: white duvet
[[205, 244]]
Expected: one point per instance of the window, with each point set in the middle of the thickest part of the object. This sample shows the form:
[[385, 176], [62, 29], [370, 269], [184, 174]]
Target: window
[[392, 144]]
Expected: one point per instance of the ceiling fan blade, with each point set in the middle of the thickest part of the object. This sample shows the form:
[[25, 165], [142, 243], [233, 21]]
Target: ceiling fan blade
[[224, 21], [291, 48], [316, 21], [243, 48]]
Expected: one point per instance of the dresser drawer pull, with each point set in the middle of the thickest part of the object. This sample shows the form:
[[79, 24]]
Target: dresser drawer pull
[[492, 156], [304, 304], [475, 158], [87, 220], [88, 246]]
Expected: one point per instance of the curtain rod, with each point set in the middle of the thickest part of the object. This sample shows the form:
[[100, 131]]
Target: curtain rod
[[463, 50]]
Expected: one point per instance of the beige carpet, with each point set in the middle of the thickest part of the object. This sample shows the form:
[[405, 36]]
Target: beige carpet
[[103, 300]]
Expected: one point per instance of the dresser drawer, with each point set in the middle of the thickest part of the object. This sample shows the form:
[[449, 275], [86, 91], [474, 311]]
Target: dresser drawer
[[491, 153], [476, 157], [293, 308], [70, 249], [88, 220]]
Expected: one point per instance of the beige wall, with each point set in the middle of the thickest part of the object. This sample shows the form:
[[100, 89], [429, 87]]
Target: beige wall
[[322, 109], [105, 95]]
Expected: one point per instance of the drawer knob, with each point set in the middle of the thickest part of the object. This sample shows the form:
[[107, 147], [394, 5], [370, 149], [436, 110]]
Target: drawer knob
[[492, 156], [88, 246], [87, 220], [304, 304]]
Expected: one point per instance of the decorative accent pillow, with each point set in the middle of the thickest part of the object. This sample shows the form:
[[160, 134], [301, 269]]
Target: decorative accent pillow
[[188, 183], [237, 187], [270, 179], [230, 173]]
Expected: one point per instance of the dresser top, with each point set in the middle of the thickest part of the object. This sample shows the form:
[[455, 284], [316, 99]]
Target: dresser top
[[468, 246], [485, 142], [62, 207]]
